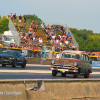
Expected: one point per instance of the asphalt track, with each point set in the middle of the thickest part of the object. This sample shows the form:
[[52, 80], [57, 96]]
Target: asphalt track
[[34, 71]]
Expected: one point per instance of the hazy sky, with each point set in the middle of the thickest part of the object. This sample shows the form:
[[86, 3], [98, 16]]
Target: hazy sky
[[80, 14]]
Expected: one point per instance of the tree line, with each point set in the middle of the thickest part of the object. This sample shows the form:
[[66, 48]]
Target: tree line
[[4, 21], [87, 40]]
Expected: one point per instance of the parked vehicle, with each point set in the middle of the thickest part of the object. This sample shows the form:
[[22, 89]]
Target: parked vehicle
[[12, 57], [72, 62], [8, 37], [95, 56]]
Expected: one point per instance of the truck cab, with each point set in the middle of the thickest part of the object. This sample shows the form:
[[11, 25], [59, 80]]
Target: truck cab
[[8, 37]]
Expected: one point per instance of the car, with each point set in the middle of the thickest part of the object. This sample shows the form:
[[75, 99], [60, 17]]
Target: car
[[72, 62], [12, 57]]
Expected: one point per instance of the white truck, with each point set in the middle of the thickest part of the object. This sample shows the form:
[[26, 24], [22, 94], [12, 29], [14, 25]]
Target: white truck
[[8, 37]]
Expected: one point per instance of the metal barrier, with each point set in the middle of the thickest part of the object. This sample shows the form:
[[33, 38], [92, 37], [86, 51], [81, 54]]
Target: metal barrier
[[73, 38], [36, 54], [15, 33]]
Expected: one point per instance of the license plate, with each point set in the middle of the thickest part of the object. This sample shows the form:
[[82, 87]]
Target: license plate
[[55, 68], [62, 71], [71, 70]]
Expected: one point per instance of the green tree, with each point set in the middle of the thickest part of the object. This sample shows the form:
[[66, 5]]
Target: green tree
[[86, 39], [4, 24]]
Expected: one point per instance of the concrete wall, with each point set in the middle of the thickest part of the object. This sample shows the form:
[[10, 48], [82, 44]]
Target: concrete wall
[[38, 61], [54, 90]]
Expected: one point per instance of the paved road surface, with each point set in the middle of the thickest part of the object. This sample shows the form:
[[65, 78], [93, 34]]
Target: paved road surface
[[37, 72]]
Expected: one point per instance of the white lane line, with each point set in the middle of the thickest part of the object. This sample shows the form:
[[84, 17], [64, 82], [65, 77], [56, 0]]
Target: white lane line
[[50, 66], [25, 71], [38, 65], [33, 71], [95, 73]]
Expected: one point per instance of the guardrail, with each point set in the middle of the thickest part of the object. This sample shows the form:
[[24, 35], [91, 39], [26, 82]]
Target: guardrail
[[33, 53]]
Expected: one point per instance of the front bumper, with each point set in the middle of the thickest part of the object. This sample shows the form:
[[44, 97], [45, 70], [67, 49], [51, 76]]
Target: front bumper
[[65, 70], [6, 62]]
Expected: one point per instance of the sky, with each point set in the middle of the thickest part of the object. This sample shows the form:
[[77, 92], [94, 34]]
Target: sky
[[80, 14]]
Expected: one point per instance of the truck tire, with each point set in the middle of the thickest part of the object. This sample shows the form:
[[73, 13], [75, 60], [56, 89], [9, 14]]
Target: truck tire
[[54, 73], [75, 75], [86, 75], [3, 65], [63, 74], [24, 64], [14, 64]]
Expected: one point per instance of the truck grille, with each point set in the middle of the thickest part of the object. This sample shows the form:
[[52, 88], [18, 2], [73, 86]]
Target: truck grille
[[3, 58], [58, 65], [67, 66]]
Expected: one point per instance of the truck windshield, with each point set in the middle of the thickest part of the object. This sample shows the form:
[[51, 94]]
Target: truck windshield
[[9, 39], [9, 52], [93, 59], [70, 55]]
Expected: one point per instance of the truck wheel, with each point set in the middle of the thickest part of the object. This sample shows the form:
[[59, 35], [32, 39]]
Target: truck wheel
[[24, 64], [63, 74], [54, 73], [75, 75], [14, 64], [86, 75], [3, 65]]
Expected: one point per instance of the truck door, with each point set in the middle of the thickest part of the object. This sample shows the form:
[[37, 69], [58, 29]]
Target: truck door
[[83, 62]]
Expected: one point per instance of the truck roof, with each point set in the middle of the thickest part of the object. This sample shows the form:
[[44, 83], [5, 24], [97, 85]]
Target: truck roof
[[8, 33], [73, 51]]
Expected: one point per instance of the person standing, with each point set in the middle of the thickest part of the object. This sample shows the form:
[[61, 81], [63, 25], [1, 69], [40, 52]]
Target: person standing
[[20, 19], [43, 53], [14, 17], [42, 26], [25, 18], [32, 24], [40, 42], [11, 16], [61, 28], [68, 34], [30, 31], [36, 25], [34, 52], [24, 26]]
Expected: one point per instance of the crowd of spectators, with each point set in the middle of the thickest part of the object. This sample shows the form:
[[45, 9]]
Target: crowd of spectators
[[31, 37], [34, 42], [30, 40], [60, 41]]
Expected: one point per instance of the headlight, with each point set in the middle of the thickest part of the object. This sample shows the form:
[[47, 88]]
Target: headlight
[[53, 61], [75, 63], [11, 58]]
